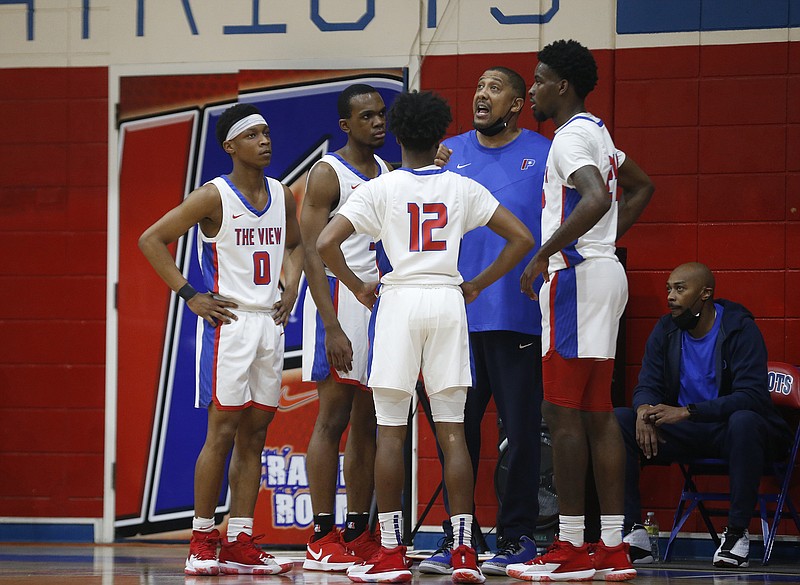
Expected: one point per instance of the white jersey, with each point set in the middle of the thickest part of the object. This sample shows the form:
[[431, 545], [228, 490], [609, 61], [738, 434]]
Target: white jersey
[[420, 216], [358, 250], [242, 263], [583, 140]]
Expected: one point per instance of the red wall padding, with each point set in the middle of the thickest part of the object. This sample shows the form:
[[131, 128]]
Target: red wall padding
[[53, 195]]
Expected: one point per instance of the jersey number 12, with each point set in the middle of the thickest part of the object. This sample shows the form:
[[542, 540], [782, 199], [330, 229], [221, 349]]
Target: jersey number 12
[[420, 237]]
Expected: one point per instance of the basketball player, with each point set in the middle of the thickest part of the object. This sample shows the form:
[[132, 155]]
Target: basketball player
[[505, 327], [247, 234], [420, 213], [335, 340], [592, 194]]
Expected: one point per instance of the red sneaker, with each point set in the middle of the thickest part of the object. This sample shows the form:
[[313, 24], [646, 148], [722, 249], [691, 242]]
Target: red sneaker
[[390, 565], [464, 561], [242, 556], [561, 562], [364, 546], [202, 559], [612, 563], [329, 554]]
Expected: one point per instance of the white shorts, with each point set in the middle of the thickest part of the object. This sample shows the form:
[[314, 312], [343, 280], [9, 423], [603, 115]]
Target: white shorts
[[419, 329], [581, 308], [240, 363], [354, 319]]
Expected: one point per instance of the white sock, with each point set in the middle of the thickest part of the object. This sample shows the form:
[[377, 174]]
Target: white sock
[[238, 525], [202, 524], [611, 528], [462, 529], [391, 524], [570, 529]]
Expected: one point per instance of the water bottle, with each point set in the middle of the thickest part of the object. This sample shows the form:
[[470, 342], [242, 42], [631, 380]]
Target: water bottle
[[651, 526]]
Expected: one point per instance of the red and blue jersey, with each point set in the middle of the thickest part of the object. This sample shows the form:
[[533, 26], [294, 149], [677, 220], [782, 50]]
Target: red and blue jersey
[[582, 141]]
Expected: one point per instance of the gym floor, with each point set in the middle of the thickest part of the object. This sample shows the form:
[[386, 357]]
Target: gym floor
[[157, 564]]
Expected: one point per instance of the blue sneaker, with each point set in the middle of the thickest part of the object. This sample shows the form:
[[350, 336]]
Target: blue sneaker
[[509, 552], [439, 562]]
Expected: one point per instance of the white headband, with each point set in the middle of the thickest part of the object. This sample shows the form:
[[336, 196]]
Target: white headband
[[244, 124]]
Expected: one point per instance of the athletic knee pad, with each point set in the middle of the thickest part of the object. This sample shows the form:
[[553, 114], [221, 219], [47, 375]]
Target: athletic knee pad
[[448, 405], [391, 406]]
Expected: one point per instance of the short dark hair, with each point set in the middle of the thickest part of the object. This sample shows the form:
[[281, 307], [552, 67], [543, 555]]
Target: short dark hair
[[343, 103], [232, 115], [419, 120], [515, 80], [573, 62]]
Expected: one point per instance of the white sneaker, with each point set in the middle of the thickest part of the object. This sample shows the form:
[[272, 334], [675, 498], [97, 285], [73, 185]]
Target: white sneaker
[[639, 543], [734, 550]]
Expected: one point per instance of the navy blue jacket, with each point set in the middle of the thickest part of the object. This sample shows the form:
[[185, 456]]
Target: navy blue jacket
[[741, 370]]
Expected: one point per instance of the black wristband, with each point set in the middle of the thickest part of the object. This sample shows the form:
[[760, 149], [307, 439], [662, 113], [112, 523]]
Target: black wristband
[[187, 292]]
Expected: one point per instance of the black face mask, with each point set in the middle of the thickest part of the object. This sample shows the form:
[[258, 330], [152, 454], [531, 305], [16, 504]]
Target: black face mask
[[688, 319], [497, 127]]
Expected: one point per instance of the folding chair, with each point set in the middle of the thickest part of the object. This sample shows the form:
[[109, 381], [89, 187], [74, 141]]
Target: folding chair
[[784, 387]]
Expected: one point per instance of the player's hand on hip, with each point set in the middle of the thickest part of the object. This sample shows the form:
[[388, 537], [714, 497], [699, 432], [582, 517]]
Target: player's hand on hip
[[211, 309], [368, 294], [283, 308], [470, 291], [338, 349], [538, 265]]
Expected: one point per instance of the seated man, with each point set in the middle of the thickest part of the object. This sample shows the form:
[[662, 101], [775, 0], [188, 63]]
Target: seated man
[[702, 392]]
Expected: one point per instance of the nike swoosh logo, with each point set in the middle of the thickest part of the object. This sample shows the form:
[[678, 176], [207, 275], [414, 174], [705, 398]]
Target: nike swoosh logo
[[237, 216], [289, 401], [460, 166], [353, 186], [318, 556], [524, 345]]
